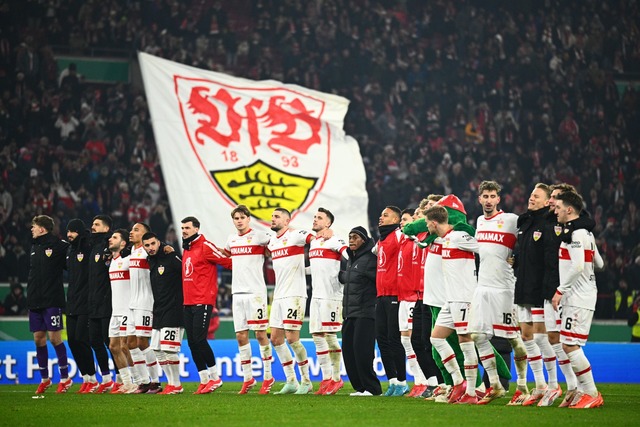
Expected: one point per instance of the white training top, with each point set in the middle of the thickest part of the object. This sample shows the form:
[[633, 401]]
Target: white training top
[[120, 286], [141, 293], [434, 290], [576, 268], [324, 258], [248, 251], [459, 265], [287, 253], [496, 238]]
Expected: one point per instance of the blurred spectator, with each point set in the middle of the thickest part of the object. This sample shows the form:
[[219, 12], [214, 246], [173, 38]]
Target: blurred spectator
[[15, 303]]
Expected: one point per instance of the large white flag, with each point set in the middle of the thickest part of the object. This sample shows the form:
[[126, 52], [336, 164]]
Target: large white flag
[[225, 141]]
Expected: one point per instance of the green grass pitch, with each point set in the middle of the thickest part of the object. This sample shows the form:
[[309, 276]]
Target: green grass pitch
[[226, 408]]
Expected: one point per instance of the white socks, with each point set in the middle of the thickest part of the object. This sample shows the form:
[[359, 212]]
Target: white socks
[[520, 360], [267, 360], [322, 352], [470, 366], [565, 366], [286, 360], [413, 361], [152, 364], [549, 358], [535, 361], [301, 359], [448, 359], [245, 361], [335, 354], [582, 369]]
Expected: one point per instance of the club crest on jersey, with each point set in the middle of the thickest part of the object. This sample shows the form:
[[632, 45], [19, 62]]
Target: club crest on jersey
[[97, 257], [557, 229], [537, 235], [48, 252], [161, 270], [80, 257], [284, 242], [500, 223], [265, 147]]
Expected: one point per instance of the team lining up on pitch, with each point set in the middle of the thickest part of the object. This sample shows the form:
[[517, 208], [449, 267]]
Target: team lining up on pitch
[[416, 291]]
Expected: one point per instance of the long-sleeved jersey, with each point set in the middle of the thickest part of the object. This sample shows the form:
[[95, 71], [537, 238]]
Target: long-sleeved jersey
[[408, 280], [387, 273], [576, 267], [496, 238], [459, 265], [435, 294]]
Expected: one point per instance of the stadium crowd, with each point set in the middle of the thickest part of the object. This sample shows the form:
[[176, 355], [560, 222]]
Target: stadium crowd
[[444, 94]]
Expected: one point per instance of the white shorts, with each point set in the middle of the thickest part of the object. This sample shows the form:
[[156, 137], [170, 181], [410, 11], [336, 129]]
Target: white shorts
[[142, 322], [576, 323], [405, 315], [250, 312], [455, 315], [551, 317], [493, 312], [325, 315], [530, 314], [167, 339], [287, 313], [118, 326]]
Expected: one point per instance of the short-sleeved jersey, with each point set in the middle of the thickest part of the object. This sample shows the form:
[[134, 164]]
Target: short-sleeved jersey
[[434, 289], [576, 267], [120, 286], [459, 265], [324, 257], [496, 238], [141, 293], [247, 252], [287, 254]]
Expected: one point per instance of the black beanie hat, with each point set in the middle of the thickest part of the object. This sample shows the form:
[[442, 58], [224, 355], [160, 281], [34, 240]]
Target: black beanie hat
[[76, 225], [360, 231]]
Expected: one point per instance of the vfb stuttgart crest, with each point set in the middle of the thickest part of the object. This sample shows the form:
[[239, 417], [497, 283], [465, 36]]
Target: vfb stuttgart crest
[[48, 252], [79, 256], [264, 147], [161, 270]]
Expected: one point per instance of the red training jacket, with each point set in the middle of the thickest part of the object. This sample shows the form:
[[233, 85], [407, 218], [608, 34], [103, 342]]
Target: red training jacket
[[199, 271]]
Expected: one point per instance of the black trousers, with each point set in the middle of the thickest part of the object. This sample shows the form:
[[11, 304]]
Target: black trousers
[[79, 344], [196, 325], [388, 336], [358, 349], [421, 343], [99, 340]]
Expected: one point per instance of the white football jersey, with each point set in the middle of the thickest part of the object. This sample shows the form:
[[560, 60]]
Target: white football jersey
[[141, 293], [459, 265], [434, 290], [248, 251], [120, 286], [496, 238], [324, 257], [576, 268], [287, 254]]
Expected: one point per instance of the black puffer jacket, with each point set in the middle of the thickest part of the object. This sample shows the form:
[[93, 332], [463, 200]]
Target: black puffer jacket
[[359, 279], [552, 236], [47, 262], [529, 253], [99, 284], [78, 258]]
